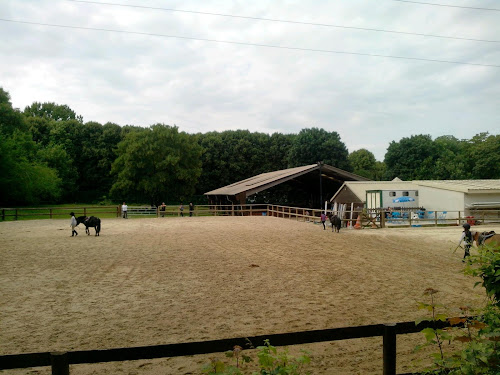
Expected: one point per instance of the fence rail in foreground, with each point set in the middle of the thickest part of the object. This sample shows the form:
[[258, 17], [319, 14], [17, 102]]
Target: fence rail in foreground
[[60, 361]]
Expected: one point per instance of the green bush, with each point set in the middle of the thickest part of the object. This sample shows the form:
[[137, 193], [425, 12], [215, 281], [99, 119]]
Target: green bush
[[270, 362], [479, 331]]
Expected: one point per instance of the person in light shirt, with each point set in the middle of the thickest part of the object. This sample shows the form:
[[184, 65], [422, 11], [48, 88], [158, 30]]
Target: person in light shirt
[[73, 225], [124, 210]]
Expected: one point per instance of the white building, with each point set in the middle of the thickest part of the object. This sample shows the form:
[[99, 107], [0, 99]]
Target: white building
[[453, 197]]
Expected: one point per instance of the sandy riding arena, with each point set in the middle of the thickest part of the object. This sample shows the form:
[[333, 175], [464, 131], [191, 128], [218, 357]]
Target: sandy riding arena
[[160, 281]]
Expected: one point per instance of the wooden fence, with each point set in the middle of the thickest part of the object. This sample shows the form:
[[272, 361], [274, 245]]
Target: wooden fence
[[215, 210], [60, 361], [372, 218], [57, 212], [386, 219]]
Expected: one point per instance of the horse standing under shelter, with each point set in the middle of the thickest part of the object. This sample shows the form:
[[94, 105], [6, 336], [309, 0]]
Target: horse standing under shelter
[[91, 221]]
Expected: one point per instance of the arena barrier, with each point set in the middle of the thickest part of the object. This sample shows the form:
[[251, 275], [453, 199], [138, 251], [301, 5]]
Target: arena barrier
[[379, 218], [58, 212], [60, 361]]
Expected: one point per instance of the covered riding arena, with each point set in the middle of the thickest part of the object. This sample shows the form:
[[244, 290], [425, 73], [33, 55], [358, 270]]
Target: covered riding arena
[[159, 281], [304, 186]]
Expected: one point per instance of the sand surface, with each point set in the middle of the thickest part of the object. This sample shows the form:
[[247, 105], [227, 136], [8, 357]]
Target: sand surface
[[169, 280]]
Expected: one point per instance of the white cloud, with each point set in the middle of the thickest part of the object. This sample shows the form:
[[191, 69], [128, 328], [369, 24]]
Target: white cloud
[[202, 86]]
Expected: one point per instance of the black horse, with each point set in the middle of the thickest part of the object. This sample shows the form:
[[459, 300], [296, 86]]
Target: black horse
[[336, 222], [91, 221]]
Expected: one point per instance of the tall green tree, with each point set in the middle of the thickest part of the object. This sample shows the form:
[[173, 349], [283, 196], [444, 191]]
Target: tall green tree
[[363, 163], [52, 111], [40, 129], [235, 155], [313, 145], [411, 158], [25, 179], [278, 150], [10, 118], [380, 171], [158, 164], [483, 156], [56, 158], [95, 155], [450, 163]]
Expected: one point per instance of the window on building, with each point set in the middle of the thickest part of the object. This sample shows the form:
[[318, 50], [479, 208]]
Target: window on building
[[416, 193], [392, 194], [405, 194]]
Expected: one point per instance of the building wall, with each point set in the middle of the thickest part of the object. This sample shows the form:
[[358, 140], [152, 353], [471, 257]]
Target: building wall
[[430, 198], [387, 198], [442, 200], [346, 196]]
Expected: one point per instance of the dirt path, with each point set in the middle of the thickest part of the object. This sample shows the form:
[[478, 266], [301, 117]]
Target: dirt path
[[159, 281]]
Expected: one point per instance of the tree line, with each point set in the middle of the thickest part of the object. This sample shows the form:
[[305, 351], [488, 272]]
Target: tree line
[[48, 154]]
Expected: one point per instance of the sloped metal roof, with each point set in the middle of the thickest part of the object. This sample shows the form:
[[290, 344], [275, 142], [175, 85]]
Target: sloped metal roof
[[267, 180], [359, 188], [464, 186]]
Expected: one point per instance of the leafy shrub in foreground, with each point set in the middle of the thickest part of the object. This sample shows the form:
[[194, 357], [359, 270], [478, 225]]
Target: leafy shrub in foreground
[[479, 335], [271, 362]]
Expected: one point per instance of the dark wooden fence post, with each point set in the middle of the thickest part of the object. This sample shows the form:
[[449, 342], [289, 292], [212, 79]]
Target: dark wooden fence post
[[390, 349], [60, 364]]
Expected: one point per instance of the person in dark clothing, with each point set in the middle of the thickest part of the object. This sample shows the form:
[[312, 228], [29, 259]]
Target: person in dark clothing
[[467, 238], [191, 209]]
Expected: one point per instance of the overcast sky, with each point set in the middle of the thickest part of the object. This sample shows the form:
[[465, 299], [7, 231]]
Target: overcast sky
[[201, 86]]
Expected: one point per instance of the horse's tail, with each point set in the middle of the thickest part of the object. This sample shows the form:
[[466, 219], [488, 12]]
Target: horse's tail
[[98, 225]]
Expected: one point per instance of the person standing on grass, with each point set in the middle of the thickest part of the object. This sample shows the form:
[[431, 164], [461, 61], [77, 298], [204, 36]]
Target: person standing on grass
[[181, 209], [124, 210], [162, 209], [323, 219], [73, 225], [467, 238], [191, 209]]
